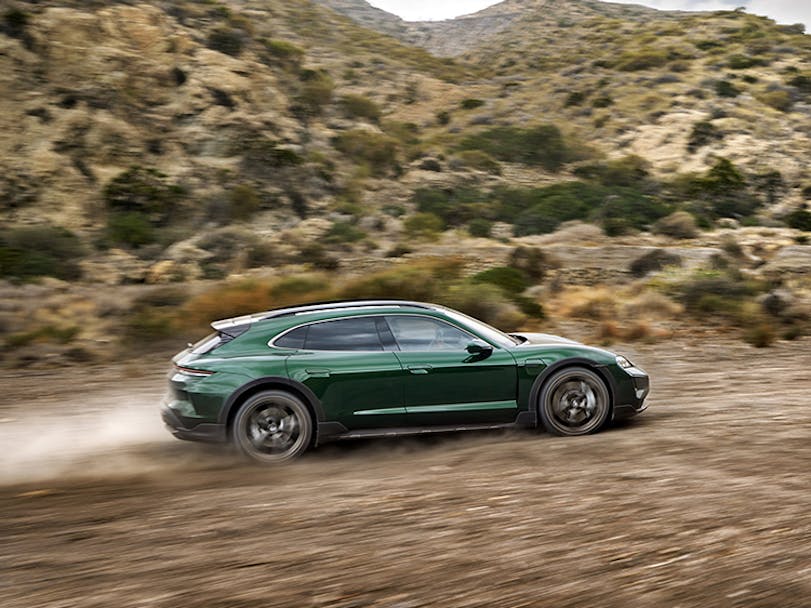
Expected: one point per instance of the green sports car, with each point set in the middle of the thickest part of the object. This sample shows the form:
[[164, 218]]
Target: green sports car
[[279, 382]]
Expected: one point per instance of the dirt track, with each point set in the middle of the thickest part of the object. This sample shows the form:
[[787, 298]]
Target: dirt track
[[705, 500]]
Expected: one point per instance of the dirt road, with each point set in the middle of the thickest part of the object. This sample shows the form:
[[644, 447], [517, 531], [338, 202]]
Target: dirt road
[[705, 500]]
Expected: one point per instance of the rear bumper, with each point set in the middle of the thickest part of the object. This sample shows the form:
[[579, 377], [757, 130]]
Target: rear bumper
[[186, 429]]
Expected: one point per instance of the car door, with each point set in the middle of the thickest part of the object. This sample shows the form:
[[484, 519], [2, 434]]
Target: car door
[[444, 383], [344, 362]]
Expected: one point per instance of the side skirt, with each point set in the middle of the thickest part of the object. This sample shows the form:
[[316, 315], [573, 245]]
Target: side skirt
[[429, 430]]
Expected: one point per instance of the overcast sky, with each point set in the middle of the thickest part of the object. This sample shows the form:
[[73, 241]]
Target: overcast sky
[[784, 11]]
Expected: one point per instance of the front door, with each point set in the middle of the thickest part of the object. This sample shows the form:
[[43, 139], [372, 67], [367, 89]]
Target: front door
[[444, 384]]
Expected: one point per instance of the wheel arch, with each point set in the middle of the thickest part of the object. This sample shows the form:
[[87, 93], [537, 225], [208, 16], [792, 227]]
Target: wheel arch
[[253, 387], [549, 371]]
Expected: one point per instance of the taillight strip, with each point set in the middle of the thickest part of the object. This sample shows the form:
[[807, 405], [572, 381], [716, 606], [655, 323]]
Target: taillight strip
[[193, 372]]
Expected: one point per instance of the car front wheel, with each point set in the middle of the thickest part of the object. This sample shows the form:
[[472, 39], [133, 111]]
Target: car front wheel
[[574, 401], [272, 426]]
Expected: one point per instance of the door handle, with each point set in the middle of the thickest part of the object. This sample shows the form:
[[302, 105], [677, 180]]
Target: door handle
[[318, 373], [419, 369]]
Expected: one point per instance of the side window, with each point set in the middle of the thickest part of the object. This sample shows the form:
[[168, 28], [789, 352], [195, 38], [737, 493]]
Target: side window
[[294, 339], [423, 334], [358, 334]]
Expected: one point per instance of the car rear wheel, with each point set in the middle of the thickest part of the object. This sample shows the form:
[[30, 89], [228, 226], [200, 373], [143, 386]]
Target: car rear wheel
[[574, 401], [272, 426]]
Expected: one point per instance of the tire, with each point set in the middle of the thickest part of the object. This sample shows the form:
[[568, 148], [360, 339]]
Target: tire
[[574, 401], [272, 427]]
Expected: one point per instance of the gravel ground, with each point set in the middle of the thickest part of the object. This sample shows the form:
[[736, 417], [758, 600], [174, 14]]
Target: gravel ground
[[701, 501]]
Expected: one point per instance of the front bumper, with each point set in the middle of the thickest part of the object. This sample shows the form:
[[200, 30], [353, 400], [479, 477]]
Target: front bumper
[[636, 403], [192, 430]]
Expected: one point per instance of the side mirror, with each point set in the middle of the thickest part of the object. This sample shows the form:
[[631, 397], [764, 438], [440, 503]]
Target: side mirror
[[479, 347]]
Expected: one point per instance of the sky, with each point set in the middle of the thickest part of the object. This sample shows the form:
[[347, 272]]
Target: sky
[[783, 11]]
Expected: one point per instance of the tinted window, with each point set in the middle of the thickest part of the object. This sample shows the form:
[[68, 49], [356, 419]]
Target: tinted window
[[424, 334], [293, 339], [344, 334]]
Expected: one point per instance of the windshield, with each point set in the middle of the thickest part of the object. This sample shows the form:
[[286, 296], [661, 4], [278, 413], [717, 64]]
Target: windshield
[[491, 334]]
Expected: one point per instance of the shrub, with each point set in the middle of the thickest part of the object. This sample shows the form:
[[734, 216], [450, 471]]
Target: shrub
[[533, 262], [146, 191], [316, 91], [423, 225], [476, 159], [480, 227], [343, 232], [703, 134], [628, 171], [653, 261], [226, 40], [40, 251], [721, 192], [511, 280], [485, 302], [742, 62], [643, 60], [317, 256], [376, 150], [779, 99], [799, 219], [261, 155], [575, 98], [802, 83], [284, 51], [471, 104], [15, 21], [761, 334], [358, 106], [130, 228], [679, 225], [603, 101], [443, 117], [243, 202], [455, 206], [725, 88], [409, 283], [542, 145]]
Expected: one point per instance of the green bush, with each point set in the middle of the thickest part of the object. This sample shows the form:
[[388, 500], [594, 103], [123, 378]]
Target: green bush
[[226, 40], [742, 62], [456, 206], [423, 225], [725, 88], [575, 98], [408, 283], [800, 219], [243, 202], [131, 228], [284, 51], [358, 106], [37, 251], [476, 159], [316, 91], [376, 150], [146, 191], [630, 171], [721, 192], [480, 227], [653, 261], [542, 210], [644, 59], [703, 134], [542, 145], [511, 280], [343, 232], [471, 104]]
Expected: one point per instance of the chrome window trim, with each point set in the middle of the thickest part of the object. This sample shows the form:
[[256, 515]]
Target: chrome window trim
[[271, 342]]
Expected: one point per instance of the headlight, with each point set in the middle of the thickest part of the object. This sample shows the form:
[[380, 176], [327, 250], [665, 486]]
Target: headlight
[[623, 362]]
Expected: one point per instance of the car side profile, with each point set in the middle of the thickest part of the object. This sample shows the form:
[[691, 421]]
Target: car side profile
[[279, 382]]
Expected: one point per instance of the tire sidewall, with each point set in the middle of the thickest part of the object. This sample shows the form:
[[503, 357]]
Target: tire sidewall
[[243, 443], [545, 407]]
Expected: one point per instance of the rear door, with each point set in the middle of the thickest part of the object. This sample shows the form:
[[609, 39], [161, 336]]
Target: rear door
[[444, 384], [344, 362]]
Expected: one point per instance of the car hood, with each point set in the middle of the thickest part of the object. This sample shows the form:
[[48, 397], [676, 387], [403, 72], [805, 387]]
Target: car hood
[[543, 339]]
